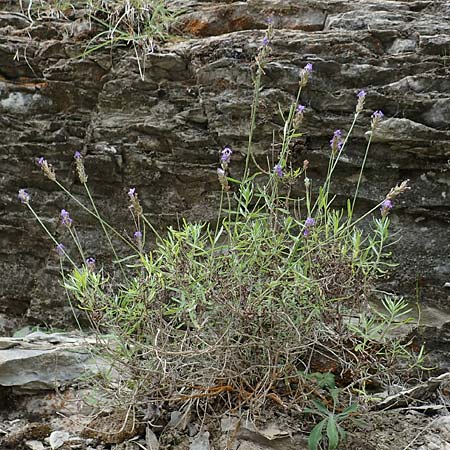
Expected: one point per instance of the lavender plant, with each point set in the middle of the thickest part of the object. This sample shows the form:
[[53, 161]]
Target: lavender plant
[[240, 313]]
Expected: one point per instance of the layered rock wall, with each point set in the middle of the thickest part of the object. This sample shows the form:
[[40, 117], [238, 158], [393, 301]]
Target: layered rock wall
[[163, 134]]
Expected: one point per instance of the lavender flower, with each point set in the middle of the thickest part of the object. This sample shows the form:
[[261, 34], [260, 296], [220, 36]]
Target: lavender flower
[[265, 41], [90, 263], [80, 167], [336, 141], [66, 220], [305, 74], [298, 119], [278, 170], [135, 207], [24, 196], [60, 249], [309, 223], [386, 206], [138, 235], [46, 168], [225, 157], [223, 179], [361, 98], [376, 118], [397, 190]]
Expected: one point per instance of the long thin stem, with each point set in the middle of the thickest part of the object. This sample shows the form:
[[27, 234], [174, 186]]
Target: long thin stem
[[361, 173], [68, 296], [287, 130], [254, 109], [150, 225], [50, 235], [74, 235], [98, 217], [327, 182], [104, 230]]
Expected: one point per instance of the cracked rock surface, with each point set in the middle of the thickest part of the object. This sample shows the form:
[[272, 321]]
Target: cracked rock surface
[[163, 134]]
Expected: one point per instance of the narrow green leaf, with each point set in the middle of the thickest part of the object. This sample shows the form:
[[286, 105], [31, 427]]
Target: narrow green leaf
[[334, 395], [347, 411], [316, 435], [321, 407], [332, 433]]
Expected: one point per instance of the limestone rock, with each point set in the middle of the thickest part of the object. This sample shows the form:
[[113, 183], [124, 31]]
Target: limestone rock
[[39, 362]]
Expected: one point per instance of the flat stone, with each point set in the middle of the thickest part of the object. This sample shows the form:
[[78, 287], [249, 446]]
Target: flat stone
[[36, 363]]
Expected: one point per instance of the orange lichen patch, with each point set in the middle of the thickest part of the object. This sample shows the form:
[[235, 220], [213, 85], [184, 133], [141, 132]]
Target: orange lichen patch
[[197, 27], [25, 82], [30, 84], [241, 23]]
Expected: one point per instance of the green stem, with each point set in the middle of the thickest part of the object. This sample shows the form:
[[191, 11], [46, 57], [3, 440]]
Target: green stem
[[74, 235], [288, 131], [150, 225], [327, 182], [361, 173], [104, 230], [254, 109], [50, 235], [68, 296], [99, 218]]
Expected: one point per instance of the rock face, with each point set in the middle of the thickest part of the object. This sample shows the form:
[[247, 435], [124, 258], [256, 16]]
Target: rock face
[[45, 361], [163, 134]]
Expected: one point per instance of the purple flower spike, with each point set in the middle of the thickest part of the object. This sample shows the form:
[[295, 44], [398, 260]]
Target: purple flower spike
[[300, 109], [361, 98], [226, 155], [90, 263], [310, 222], [223, 179], [132, 192], [377, 115], [336, 141], [278, 170], [376, 118], [77, 155], [60, 250], [305, 73], [41, 161], [137, 235], [24, 196], [265, 41], [65, 218], [386, 207]]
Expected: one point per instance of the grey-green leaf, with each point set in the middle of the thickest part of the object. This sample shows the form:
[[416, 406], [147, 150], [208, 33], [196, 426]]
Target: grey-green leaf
[[316, 435], [332, 433]]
